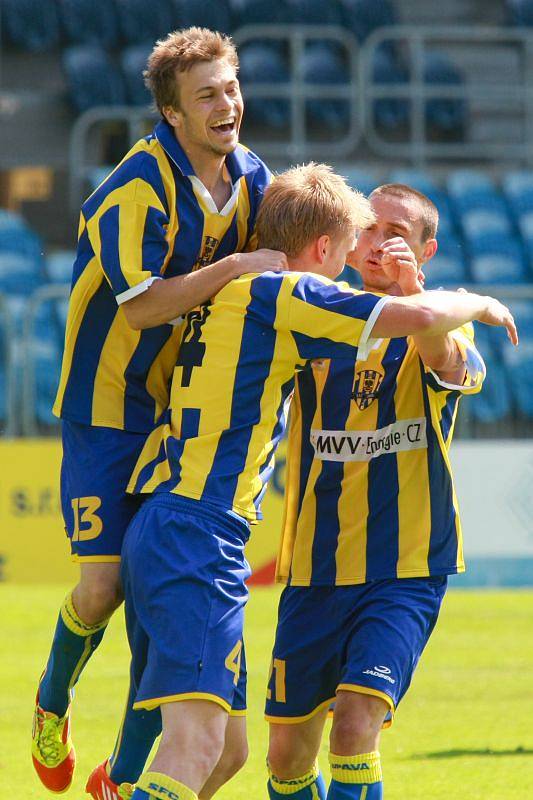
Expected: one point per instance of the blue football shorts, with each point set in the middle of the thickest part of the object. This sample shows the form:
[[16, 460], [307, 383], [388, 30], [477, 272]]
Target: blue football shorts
[[95, 470], [184, 572], [365, 638]]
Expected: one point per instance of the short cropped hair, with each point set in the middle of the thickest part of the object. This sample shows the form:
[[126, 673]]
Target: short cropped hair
[[178, 52], [428, 210], [307, 202]]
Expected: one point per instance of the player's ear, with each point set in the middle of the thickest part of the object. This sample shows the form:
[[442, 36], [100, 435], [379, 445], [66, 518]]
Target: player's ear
[[430, 248], [172, 115], [322, 247]]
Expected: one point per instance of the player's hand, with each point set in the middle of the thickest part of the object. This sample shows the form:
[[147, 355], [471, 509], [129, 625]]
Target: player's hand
[[262, 260], [399, 263], [495, 313]]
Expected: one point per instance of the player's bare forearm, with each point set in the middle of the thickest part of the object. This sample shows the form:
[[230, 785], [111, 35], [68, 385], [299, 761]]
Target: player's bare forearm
[[441, 354], [437, 313], [167, 299]]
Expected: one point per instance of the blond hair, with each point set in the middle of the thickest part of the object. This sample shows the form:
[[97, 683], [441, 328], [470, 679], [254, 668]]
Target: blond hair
[[178, 52], [305, 203], [429, 215]]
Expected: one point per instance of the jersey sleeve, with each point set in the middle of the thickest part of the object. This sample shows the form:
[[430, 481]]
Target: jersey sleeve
[[128, 233], [331, 320], [262, 179], [475, 366]]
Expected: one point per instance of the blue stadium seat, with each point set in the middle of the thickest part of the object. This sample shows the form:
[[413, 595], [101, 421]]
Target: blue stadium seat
[[359, 179], [522, 311], [520, 12], [498, 260], [133, 61], [314, 12], [216, 16], [92, 78], [47, 366], [519, 367], [89, 22], [22, 242], [322, 65], [261, 63], [518, 189], [470, 190], [482, 221], [362, 17], [493, 404], [445, 269], [58, 266], [139, 21], [390, 113], [3, 397], [31, 24], [258, 12], [9, 221], [447, 117]]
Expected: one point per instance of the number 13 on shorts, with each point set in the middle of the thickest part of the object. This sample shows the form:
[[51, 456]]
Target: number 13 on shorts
[[277, 677]]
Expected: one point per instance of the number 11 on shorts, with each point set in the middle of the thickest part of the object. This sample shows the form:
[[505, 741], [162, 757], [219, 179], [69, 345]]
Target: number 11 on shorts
[[277, 668]]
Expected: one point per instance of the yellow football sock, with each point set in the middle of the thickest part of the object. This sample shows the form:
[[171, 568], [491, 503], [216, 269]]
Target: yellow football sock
[[161, 787], [362, 768]]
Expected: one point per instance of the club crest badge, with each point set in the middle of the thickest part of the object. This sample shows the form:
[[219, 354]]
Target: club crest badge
[[210, 245], [366, 387]]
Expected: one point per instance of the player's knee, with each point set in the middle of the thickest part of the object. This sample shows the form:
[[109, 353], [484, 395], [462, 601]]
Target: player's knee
[[351, 734], [97, 598], [233, 759], [286, 762]]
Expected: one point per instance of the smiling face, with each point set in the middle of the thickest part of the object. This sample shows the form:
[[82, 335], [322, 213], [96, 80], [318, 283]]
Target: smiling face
[[210, 108], [395, 216]]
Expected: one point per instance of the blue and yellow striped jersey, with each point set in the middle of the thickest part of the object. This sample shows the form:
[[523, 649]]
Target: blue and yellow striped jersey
[[369, 491], [234, 374], [151, 218]]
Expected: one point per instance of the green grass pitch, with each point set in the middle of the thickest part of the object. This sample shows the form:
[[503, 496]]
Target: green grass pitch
[[462, 733]]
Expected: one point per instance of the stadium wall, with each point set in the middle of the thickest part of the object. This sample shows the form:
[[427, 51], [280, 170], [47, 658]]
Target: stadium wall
[[494, 484]]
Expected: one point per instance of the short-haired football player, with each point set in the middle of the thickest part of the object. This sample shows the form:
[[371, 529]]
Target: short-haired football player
[[207, 464], [371, 526], [163, 232]]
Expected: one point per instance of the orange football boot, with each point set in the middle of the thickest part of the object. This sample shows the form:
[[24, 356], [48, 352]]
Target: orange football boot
[[101, 787]]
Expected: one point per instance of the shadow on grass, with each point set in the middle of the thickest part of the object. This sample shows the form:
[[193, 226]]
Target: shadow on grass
[[487, 751]]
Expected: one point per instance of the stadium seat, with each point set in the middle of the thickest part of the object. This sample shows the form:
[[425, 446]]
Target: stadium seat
[[258, 12], [47, 366], [9, 220], [322, 65], [390, 113], [359, 178], [470, 190], [93, 79], [31, 24], [216, 16], [261, 63], [493, 404], [139, 21], [482, 221], [522, 311], [362, 17], [520, 12], [519, 367], [518, 189], [93, 22], [500, 261], [447, 270], [21, 241], [314, 12], [446, 117], [133, 61], [58, 266]]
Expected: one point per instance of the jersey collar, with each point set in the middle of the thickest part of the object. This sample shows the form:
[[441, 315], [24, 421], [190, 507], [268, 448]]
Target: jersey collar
[[238, 163]]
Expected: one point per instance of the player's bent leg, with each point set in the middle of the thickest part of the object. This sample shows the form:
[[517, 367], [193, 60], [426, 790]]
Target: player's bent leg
[[233, 757], [354, 756], [76, 637], [191, 745], [292, 759]]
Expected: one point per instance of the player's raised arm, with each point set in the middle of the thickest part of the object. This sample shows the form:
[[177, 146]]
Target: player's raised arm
[[434, 313]]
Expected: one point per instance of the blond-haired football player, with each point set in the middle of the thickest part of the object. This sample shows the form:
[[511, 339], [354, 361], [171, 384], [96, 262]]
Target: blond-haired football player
[[207, 463]]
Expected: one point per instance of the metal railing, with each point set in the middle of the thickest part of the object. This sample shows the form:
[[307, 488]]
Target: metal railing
[[414, 43]]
